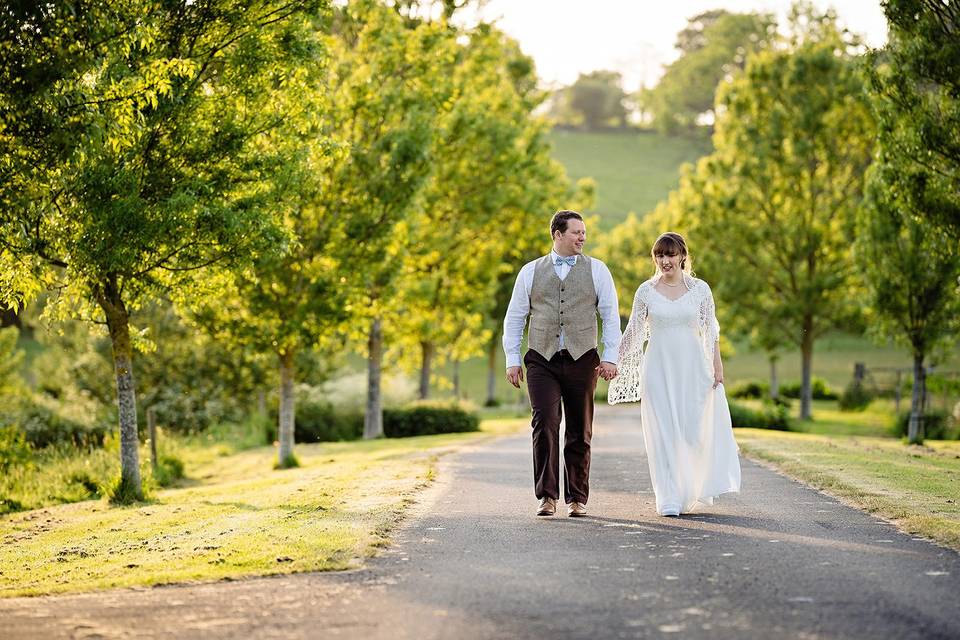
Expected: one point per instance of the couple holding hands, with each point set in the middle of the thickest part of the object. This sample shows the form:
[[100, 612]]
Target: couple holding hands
[[668, 358]]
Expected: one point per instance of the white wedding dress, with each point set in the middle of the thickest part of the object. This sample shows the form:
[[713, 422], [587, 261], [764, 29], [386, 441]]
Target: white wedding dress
[[686, 422]]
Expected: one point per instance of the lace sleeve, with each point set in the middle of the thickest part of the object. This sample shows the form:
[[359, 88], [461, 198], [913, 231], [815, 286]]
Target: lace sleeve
[[709, 327], [628, 385]]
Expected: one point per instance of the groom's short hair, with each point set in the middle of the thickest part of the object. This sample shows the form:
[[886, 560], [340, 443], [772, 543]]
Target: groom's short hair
[[560, 219]]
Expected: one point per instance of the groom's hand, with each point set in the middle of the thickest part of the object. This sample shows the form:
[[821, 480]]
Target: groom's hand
[[608, 371], [515, 376]]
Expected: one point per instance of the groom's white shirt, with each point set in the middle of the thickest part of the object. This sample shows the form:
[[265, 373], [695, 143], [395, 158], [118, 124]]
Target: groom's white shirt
[[519, 309]]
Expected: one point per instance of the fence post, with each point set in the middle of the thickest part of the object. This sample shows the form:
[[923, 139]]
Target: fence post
[[152, 429]]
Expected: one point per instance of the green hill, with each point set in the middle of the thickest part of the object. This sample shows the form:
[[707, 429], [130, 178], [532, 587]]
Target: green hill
[[634, 170]]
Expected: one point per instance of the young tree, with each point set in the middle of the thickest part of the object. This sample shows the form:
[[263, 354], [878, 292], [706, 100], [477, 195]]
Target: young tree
[[714, 45], [777, 200], [912, 273], [126, 151], [489, 158], [596, 100]]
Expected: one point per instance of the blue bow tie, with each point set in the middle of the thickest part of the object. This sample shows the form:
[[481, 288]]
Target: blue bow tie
[[570, 260]]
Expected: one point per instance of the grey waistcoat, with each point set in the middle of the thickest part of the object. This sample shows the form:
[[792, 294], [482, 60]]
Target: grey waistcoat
[[569, 304]]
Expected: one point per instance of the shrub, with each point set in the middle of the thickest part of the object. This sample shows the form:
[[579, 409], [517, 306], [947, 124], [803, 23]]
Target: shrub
[[936, 425], [855, 397], [44, 427], [14, 448], [819, 387], [428, 419], [321, 422], [772, 416], [750, 389], [169, 469]]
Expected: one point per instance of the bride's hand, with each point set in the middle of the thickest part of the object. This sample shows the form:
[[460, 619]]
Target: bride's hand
[[717, 376]]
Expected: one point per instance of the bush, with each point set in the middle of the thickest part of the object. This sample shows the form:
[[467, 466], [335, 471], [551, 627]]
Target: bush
[[169, 469], [321, 422], [855, 397], [43, 427], [14, 448], [428, 419], [936, 426], [772, 416], [750, 389], [821, 390]]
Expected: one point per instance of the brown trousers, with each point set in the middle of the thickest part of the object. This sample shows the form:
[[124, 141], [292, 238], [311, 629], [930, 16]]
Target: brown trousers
[[572, 383]]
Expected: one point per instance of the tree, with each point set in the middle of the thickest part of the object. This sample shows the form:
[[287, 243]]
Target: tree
[[714, 45], [596, 100], [776, 201], [127, 156], [392, 80], [490, 162], [911, 269], [917, 77]]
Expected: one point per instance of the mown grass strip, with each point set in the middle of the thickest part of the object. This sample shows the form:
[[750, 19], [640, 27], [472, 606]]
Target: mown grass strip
[[916, 487], [235, 517]]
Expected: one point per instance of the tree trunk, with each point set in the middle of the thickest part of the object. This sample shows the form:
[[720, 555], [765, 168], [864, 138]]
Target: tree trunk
[[806, 353], [287, 411], [915, 425], [456, 379], [118, 322], [261, 402], [373, 417], [426, 354], [774, 383], [492, 374]]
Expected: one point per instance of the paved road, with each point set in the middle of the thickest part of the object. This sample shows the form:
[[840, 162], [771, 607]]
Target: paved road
[[777, 561]]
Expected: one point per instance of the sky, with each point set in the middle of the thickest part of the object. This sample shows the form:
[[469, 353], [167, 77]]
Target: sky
[[636, 37]]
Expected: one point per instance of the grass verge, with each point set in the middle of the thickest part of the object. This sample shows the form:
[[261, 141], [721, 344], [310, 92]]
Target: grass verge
[[916, 487], [234, 517]]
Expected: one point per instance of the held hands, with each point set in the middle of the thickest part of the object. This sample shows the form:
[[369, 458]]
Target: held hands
[[515, 376], [608, 371]]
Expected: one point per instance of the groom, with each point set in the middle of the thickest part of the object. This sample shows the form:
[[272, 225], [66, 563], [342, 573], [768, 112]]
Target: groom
[[562, 292]]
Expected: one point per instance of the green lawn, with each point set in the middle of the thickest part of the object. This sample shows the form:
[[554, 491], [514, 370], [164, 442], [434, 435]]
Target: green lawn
[[634, 171], [917, 487], [235, 516]]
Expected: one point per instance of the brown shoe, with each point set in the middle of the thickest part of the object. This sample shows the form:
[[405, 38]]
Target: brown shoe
[[576, 509], [548, 507]]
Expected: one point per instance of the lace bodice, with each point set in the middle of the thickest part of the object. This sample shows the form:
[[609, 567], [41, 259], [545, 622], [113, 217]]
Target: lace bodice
[[652, 311]]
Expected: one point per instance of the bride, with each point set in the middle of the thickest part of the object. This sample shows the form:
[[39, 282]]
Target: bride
[[679, 380]]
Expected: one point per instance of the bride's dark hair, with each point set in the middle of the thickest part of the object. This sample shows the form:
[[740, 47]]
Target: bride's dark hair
[[672, 244]]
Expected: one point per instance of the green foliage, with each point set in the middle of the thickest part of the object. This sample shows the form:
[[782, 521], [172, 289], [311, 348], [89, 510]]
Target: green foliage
[[43, 426], [750, 389], [14, 448], [491, 175], [771, 416], [121, 492], [917, 86], [937, 425], [321, 422], [714, 45], [169, 469], [780, 256], [855, 397], [595, 102], [819, 389], [289, 462], [130, 155], [428, 420]]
